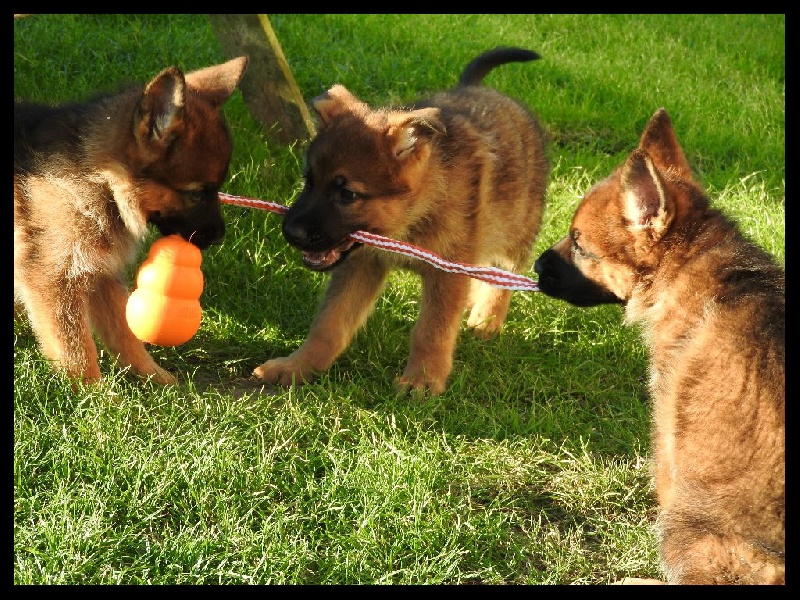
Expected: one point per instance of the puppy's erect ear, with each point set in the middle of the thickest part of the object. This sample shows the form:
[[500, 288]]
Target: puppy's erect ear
[[408, 130], [161, 109], [217, 83], [660, 142], [336, 101], [646, 201]]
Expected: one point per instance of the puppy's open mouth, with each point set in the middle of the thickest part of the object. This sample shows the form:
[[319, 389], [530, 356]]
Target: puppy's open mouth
[[321, 261]]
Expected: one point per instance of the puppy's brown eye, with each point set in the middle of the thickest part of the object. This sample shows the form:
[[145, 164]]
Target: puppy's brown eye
[[346, 195], [207, 194], [573, 241], [343, 194], [580, 250], [576, 247]]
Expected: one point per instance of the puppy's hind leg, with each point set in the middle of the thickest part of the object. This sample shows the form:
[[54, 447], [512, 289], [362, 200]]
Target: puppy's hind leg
[[489, 309], [489, 304], [697, 557], [107, 309], [433, 339]]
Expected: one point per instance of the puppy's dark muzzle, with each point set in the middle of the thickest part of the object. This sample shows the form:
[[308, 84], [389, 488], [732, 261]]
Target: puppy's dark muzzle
[[560, 279], [320, 251], [204, 239], [305, 238], [201, 236], [547, 267]]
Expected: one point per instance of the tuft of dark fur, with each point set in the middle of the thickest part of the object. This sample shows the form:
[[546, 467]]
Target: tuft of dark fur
[[475, 72], [712, 308]]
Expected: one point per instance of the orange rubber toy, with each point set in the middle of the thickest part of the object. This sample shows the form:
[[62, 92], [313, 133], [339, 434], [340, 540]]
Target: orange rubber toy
[[164, 309]]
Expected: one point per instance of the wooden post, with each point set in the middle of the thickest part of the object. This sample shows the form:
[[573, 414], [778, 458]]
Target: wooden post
[[268, 86]]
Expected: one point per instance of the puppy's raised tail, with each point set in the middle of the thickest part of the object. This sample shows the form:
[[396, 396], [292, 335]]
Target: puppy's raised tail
[[476, 70]]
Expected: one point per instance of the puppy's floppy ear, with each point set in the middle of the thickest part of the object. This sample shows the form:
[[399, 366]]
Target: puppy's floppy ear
[[335, 102], [407, 130], [217, 83], [660, 142], [647, 203], [160, 111]]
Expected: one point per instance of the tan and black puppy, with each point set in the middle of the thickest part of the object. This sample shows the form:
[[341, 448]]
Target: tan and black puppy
[[88, 179], [711, 306], [462, 174]]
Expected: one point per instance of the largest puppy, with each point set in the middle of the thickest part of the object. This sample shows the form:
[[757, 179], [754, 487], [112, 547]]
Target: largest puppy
[[712, 308], [88, 178], [462, 174]]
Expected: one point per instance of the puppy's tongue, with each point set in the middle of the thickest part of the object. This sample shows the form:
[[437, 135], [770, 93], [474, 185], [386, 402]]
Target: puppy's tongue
[[323, 260]]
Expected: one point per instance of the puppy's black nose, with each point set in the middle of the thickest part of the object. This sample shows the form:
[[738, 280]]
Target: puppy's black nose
[[210, 236], [295, 234], [543, 262]]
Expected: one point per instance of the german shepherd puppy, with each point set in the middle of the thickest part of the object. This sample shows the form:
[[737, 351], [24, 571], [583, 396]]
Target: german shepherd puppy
[[88, 178], [462, 174], [712, 308]]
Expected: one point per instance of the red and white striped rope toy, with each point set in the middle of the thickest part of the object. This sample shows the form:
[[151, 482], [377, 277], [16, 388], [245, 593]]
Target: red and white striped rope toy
[[491, 275]]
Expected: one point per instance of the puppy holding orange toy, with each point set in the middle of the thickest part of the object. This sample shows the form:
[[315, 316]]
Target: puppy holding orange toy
[[88, 179]]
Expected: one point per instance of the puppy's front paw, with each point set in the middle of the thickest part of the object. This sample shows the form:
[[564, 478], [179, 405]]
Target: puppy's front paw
[[418, 382], [284, 371], [163, 377], [485, 329], [488, 312]]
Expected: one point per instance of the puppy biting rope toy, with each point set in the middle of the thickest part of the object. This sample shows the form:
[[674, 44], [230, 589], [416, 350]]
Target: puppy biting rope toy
[[490, 275]]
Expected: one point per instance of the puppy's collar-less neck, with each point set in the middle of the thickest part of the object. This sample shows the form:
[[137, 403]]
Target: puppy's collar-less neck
[[491, 275]]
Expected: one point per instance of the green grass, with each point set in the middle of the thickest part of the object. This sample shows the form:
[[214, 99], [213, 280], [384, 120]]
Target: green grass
[[532, 468]]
